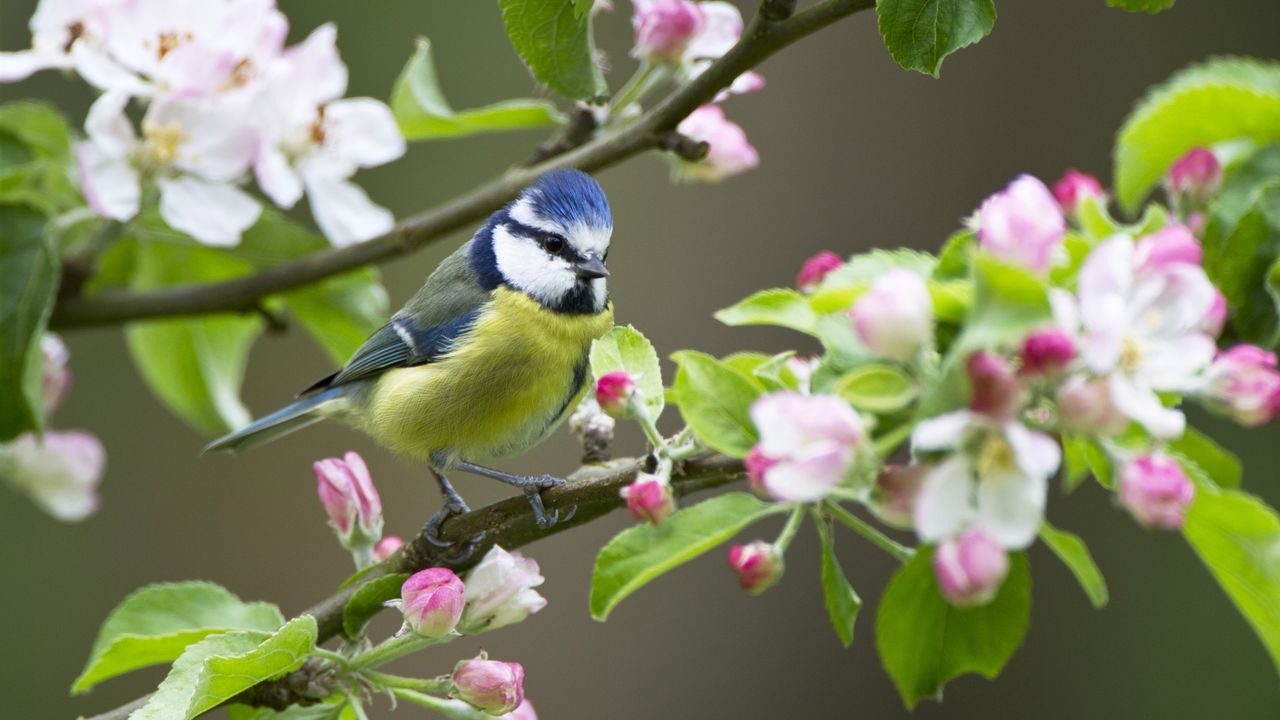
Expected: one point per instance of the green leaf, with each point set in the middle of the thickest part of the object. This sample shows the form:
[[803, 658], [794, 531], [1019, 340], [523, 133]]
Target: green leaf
[[643, 552], [555, 42], [35, 158], [774, 373], [1083, 456], [194, 365], [877, 388], [368, 601], [155, 624], [422, 112], [844, 284], [627, 349], [331, 709], [1238, 537], [779, 306], [220, 667], [839, 596], [925, 642], [715, 400], [1220, 100], [28, 282], [583, 7], [1217, 462], [920, 34], [1150, 7], [1072, 551]]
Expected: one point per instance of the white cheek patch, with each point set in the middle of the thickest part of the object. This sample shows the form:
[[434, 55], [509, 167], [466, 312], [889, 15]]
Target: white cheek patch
[[590, 239], [529, 269], [599, 294], [523, 213]]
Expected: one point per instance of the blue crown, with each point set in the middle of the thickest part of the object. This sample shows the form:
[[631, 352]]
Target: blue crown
[[570, 197]]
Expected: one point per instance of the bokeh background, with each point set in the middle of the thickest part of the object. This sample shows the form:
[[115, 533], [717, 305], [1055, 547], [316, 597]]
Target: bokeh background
[[856, 153]]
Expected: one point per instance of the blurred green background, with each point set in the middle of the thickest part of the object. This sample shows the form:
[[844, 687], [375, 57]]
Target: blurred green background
[[855, 153]]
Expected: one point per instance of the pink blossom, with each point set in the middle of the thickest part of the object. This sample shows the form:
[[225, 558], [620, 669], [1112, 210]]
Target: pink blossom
[[1216, 317], [893, 499], [60, 472], [1074, 187], [1167, 247], [1022, 225], [649, 499], [816, 268], [1243, 383], [730, 152], [994, 390], [757, 464], [614, 393], [1197, 175], [349, 497], [808, 444], [500, 591], [1047, 352], [523, 712], [432, 602], [55, 376], [664, 28], [894, 317], [970, 568], [386, 547], [758, 564], [490, 685], [1156, 491], [1085, 406]]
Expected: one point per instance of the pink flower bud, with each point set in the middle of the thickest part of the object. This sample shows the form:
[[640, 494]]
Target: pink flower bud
[[614, 392], [1243, 384], [432, 602], [649, 499], [386, 546], [757, 464], [994, 388], [1167, 247], [970, 568], [893, 499], [500, 591], [346, 490], [758, 564], [1156, 491], [524, 712], [1216, 317], [664, 28], [1074, 187], [1047, 352], [1084, 406], [55, 380], [894, 317], [1195, 176], [60, 472], [730, 154], [1022, 225], [815, 269], [490, 685]]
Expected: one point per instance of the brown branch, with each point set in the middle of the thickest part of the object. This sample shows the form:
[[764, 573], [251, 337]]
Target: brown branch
[[765, 36], [593, 489]]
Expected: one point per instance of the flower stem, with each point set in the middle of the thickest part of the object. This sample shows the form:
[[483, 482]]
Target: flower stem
[[646, 77], [789, 530], [362, 555], [870, 533], [452, 709], [394, 648], [887, 443], [424, 685]]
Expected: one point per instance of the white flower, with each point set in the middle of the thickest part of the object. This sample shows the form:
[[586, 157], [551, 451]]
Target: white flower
[[720, 30], [500, 591], [996, 481], [808, 445], [1141, 331], [193, 148], [60, 472], [67, 34], [312, 140]]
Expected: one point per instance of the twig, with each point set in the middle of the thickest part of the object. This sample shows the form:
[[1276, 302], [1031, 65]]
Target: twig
[[509, 523], [763, 38]]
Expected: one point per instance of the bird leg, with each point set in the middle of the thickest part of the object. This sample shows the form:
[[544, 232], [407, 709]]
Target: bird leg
[[453, 505], [532, 485]]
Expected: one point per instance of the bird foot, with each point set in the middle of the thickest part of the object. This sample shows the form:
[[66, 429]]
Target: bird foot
[[453, 507]]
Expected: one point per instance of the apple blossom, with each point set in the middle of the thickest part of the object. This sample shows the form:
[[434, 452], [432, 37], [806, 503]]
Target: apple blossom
[[386, 547], [1216, 317], [1047, 352], [1085, 406], [490, 685], [1197, 175], [649, 498], [432, 602], [1156, 491], [67, 34], [55, 376], [615, 392], [809, 444], [994, 389], [758, 564], [970, 568], [60, 471], [893, 499], [523, 712], [1075, 186], [500, 591], [664, 28], [1243, 383], [349, 497], [816, 268], [730, 152], [1023, 224], [1169, 246], [894, 317]]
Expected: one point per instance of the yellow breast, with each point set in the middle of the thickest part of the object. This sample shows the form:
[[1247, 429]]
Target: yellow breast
[[502, 389]]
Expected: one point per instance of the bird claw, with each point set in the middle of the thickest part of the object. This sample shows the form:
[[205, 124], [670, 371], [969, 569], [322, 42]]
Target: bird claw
[[544, 519], [431, 531]]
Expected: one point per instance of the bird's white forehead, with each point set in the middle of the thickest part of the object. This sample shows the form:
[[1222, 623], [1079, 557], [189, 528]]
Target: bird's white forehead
[[583, 238]]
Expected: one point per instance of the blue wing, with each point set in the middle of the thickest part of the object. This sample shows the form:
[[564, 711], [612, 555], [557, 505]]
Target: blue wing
[[399, 343]]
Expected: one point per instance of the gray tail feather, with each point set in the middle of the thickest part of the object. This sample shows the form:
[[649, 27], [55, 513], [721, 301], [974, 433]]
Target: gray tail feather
[[281, 422]]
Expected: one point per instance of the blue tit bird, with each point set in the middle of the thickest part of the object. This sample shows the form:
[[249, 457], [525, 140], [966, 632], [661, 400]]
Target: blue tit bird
[[488, 357]]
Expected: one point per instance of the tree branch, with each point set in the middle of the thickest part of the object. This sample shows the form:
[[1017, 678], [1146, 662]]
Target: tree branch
[[766, 35], [593, 489]]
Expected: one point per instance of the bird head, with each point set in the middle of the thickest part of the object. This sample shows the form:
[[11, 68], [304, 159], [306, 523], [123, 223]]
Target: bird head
[[550, 243]]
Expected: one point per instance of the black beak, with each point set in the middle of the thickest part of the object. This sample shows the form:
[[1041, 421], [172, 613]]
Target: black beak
[[591, 268]]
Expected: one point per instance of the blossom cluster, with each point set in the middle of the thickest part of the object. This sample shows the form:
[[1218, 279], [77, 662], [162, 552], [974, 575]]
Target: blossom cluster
[[222, 97]]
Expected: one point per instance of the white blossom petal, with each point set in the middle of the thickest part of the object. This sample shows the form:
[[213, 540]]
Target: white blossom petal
[[945, 506], [810, 475], [93, 64], [215, 139], [1035, 453], [108, 127], [211, 212], [1177, 364], [944, 432], [15, 66], [362, 132], [110, 184], [721, 28], [1140, 402], [277, 178], [343, 211], [1011, 506]]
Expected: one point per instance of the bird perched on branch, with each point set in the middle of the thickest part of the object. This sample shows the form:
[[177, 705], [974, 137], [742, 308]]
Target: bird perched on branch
[[488, 357]]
